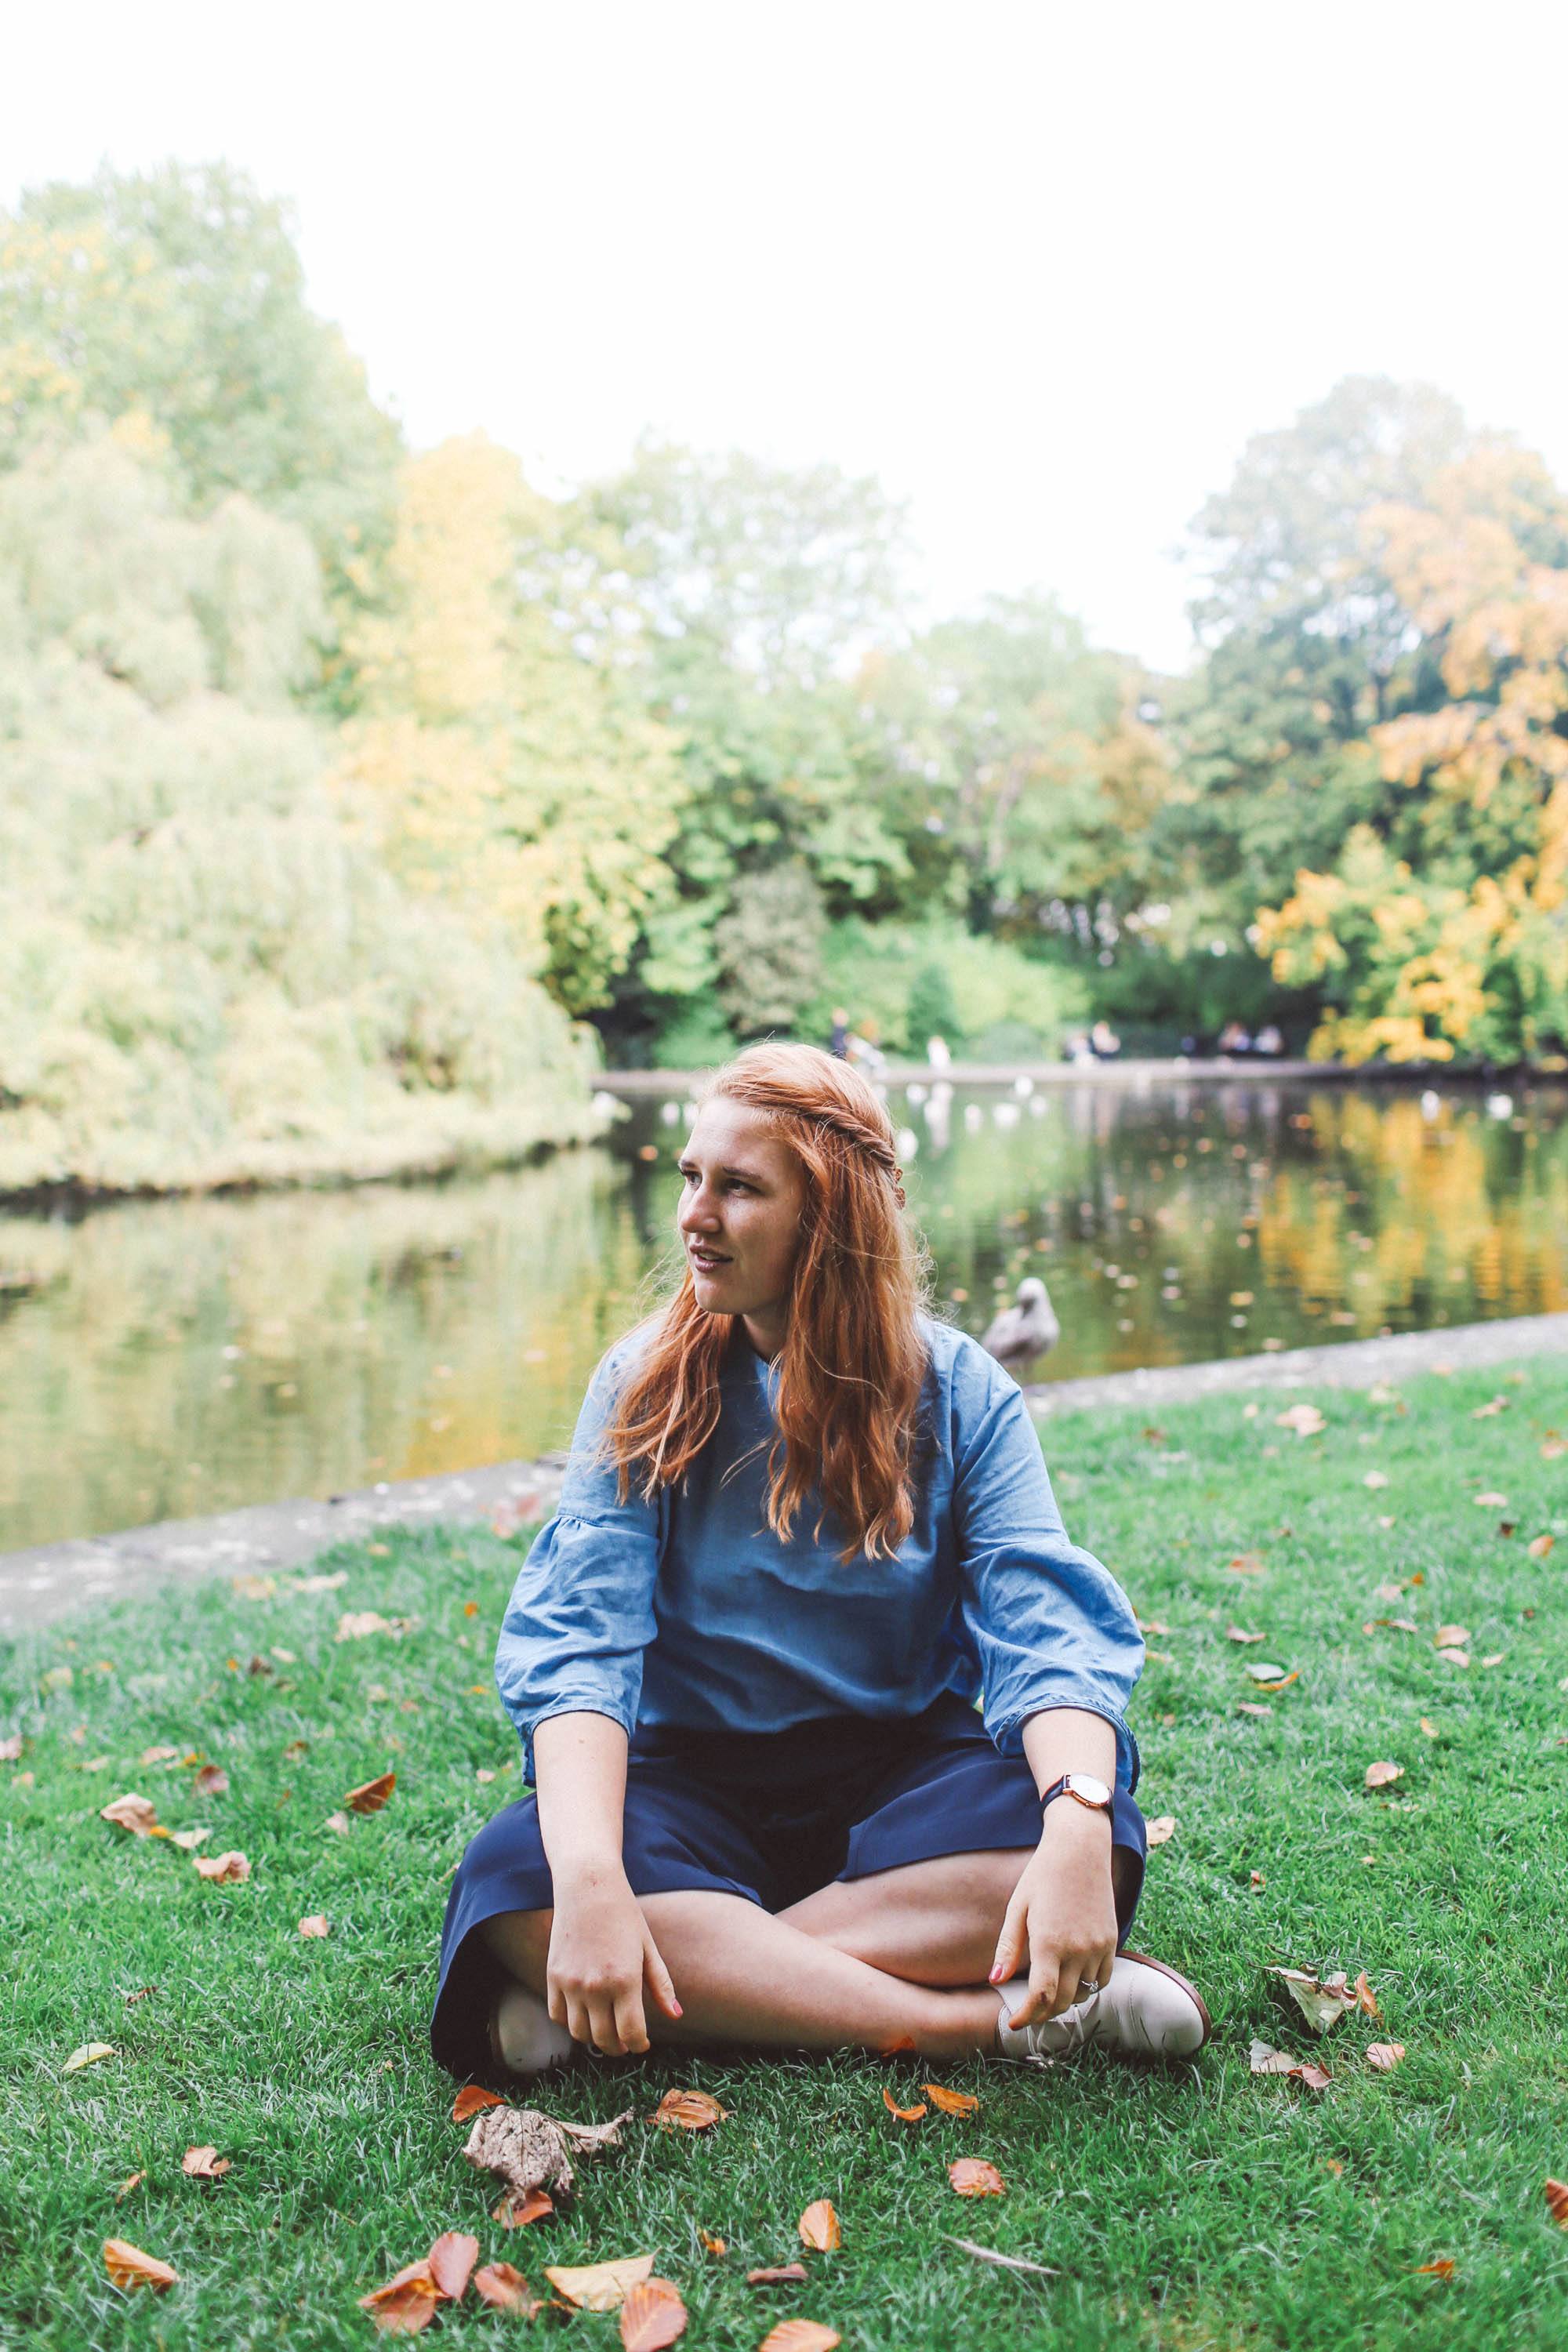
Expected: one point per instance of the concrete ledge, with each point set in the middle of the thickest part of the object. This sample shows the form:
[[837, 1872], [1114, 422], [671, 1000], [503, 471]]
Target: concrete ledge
[[51, 1579]]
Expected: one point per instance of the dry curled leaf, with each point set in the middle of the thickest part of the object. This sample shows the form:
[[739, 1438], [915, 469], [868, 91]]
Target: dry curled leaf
[[799, 2335], [406, 2304], [1005, 2261], [691, 2111], [905, 2114], [154, 1755], [587, 2140], [188, 1840], [716, 2246], [1539, 1546], [1382, 2057], [128, 2266], [472, 2100], [504, 2288], [1383, 1775], [652, 2316], [88, 2054], [1444, 2268], [1304, 1419], [1283, 1682], [451, 2260], [1266, 2060], [1557, 2201], [1239, 1634], [132, 2180], [818, 2225], [229, 1869], [371, 1796], [1323, 2004], [341, 1822], [134, 1813], [356, 1625], [1251, 1707], [211, 1780], [516, 2212], [600, 2286], [972, 2176], [1451, 1637], [523, 2147], [1366, 1999], [317, 1925], [778, 2274], [1162, 1829], [205, 2163], [951, 2103]]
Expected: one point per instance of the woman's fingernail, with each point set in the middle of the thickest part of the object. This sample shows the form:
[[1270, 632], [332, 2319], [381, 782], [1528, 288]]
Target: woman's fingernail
[[996, 1973], [678, 2011]]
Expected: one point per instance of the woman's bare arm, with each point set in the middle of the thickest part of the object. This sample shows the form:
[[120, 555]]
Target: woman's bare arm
[[601, 1952]]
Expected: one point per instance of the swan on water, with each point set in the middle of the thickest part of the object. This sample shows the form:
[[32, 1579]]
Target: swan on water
[[1026, 1330]]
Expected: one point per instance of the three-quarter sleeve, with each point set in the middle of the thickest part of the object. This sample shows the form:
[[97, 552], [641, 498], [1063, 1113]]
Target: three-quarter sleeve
[[581, 1613], [1050, 1625]]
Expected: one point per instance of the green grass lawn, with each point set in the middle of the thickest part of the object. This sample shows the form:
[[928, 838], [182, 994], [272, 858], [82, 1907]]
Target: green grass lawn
[[1202, 2207]]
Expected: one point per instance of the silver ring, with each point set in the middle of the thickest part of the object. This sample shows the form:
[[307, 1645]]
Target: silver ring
[[1089, 1984]]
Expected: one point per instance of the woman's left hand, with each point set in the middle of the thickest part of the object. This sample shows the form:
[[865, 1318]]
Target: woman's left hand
[[1061, 1923]]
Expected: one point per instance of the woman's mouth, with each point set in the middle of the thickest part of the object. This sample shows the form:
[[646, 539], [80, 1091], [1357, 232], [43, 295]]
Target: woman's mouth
[[706, 1262]]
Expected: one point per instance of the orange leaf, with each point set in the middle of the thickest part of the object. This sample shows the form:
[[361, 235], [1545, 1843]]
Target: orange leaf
[[799, 2335], [905, 2043], [601, 2286], [780, 2274], [211, 1781], [1539, 1546], [316, 1925], [516, 2210], [1444, 2268], [371, 1798], [227, 1867], [451, 2260], [818, 2227], [205, 2163], [406, 2304], [124, 2191], [715, 2246], [652, 2316], [1284, 1681], [472, 2100], [972, 2177], [951, 2103], [504, 2288], [690, 2110], [1366, 1999], [137, 1814], [1382, 2057], [128, 2266], [1557, 2200], [904, 2115]]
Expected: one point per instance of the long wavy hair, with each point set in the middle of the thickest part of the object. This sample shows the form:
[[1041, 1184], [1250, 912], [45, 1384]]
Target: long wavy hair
[[853, 1362]]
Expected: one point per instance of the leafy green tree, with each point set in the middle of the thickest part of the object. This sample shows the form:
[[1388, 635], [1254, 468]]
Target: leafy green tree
[[769, 949], [933, 1009]]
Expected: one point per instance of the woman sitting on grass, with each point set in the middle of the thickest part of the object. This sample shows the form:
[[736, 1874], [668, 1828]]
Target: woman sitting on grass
[[804, 1527]]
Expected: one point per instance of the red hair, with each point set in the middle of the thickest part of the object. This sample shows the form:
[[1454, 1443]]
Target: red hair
[[853, 1362]]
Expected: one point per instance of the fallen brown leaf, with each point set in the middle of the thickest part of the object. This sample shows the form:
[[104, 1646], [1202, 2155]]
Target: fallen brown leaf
[[716, 2246], [1539, 1546], [188, 1840], [371, 1796], [356, 1624], [1491, 1500], [972, 2176], [600, 2286], [472, 2100], [505, 2288], [780, 2275], [295, 1750], [587, 2140], [529, 2150], [211, 1781], [1382, 2057], [205, 2163], [1430, 1728], [1383, 1775], [691, 2111], [1452, 1657], [229, 1868], [1557, 2201], [1247, 1563], [904, 2115], [1366, 1999], [134, 1813], [1005, 2261], [951, 2103], [128, 2266], [652, 2316], [1444, 2268], [88, 2054], [11, 1749], [155, 1755], [1283, 1682], [1304, 1419], [406, 2304], [1251, 1707], [799, 2335], [341, 1822], [1321, 2005], [451, 2260], [1239, 1634], [818, 2225], [133, 2180], [517, 2211], [1162, 1829]]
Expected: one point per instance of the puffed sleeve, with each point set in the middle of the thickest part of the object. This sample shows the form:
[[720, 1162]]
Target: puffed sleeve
[[1051, 1626], [581, 1613]]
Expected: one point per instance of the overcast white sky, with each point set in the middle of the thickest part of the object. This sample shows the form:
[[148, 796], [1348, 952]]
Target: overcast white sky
[[1043, 269]]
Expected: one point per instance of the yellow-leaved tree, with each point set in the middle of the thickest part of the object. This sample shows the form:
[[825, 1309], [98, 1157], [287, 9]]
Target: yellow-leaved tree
[[503, 754]]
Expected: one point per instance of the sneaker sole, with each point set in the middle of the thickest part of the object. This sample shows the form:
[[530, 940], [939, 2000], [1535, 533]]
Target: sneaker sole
[[1187, 1984]]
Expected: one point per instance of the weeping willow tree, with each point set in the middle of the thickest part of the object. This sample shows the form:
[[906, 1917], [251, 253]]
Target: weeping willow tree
[[207, 974]]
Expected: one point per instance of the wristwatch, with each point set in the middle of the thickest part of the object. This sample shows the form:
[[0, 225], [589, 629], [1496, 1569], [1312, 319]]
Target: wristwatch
[[1083, 1788]]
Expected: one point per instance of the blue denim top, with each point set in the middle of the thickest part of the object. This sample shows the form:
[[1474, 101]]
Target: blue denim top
[[686, 1611]]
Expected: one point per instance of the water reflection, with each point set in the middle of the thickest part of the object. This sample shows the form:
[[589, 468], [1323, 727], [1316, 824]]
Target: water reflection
[[163, 1359]]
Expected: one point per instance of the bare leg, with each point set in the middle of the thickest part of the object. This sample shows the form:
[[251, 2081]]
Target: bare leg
[[744, 1976], [933, 1923]]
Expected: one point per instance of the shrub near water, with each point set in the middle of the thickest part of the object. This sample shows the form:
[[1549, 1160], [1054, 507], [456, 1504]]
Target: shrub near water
[[1204, 2205]]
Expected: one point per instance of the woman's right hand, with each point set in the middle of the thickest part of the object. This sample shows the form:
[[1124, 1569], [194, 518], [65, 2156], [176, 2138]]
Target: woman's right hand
[[602, 1953]]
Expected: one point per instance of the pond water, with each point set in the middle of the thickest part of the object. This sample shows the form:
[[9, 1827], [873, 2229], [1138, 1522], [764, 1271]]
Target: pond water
[[160, 1360]]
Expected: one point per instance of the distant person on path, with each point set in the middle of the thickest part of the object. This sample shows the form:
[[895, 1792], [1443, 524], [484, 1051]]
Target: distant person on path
[[839, 1041], [805, 1523], [1104, 1043], [863, 1049], [939, 1054], [1268, 1041], [1234, 1039]]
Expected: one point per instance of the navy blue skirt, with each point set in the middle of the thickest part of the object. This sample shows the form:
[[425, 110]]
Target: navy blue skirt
[[770, 1816]]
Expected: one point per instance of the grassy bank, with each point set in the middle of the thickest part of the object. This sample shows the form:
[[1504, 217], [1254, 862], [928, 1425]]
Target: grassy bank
[[1205, 2208]]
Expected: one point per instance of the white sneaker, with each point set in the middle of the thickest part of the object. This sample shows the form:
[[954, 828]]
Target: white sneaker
[[524, 2038], [1146, 2010]]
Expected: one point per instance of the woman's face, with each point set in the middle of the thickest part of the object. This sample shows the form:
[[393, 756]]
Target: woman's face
[[741, 1195]]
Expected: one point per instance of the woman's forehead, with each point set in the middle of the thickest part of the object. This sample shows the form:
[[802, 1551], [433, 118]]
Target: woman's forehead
[[725, 1130]]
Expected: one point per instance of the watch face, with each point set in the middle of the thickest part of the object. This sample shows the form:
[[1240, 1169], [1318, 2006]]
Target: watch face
[[1087, 1788]]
